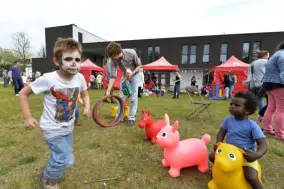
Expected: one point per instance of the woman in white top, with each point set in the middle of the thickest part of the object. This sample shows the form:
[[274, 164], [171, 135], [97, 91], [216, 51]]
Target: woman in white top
[[141, 82]]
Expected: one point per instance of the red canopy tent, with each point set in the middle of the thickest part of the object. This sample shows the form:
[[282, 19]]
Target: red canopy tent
[[86, 69], [160, 65], [239, 68]]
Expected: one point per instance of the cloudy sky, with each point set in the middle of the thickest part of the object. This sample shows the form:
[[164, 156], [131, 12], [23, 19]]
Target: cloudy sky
[[139, 19]]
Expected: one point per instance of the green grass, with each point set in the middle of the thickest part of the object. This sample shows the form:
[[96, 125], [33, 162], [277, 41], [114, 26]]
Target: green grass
[[5, 144], [119, 154]]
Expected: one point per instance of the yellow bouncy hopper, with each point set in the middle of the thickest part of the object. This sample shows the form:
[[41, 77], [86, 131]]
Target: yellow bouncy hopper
[[127, 92], [227, 170], [114, 110]]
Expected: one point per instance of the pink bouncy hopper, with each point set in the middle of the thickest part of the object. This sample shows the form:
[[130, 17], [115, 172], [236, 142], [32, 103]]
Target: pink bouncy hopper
[[151, 126], [181, 154]]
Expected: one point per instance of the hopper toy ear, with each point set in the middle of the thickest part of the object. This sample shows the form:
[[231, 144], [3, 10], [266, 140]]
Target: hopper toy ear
[[148, 112], [143, 111], [219, 143], [242, 151], [175, 126], [167, 119]]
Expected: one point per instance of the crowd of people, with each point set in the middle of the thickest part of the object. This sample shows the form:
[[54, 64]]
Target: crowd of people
[[96, 80]]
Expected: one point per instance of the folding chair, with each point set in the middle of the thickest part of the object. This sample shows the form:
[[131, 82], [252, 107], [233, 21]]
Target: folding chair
[[199, 106]]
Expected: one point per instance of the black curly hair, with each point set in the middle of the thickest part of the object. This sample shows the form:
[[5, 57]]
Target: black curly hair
[[251, 101]]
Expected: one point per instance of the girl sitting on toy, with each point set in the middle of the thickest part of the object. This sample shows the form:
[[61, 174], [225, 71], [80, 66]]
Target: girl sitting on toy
[[245, 134]]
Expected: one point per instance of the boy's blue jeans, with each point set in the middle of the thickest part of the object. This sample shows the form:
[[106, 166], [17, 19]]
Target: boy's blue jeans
[[61, 156]]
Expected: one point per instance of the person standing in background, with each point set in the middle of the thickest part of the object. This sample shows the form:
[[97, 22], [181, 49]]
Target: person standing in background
[[99, 81], [255, 76], [142, 83], [273, 84], [233, 81], [227, 85], [177, 85], [193, 81], [16, 77], [92, 81], [5, 78]]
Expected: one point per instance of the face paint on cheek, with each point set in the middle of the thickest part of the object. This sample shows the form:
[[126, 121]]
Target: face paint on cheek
[[70, 66]]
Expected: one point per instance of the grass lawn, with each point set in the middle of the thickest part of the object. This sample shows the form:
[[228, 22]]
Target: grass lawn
[[119, 153]]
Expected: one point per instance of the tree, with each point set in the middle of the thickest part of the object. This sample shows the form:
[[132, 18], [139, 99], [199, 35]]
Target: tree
[[22, 45], [41, 52], [7, 56]]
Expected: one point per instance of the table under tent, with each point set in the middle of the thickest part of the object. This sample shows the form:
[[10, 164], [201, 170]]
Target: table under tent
[[161, 67]]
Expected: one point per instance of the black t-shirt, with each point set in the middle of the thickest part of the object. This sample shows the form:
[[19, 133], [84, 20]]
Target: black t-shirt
[[178, 82], [227, 82]]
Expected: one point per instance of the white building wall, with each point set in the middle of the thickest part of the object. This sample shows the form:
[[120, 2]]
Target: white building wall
[[87, 37]]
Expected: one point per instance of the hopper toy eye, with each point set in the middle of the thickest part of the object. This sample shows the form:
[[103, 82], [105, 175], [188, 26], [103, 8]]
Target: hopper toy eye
[[164, 134], [232, 157], [219, 151]]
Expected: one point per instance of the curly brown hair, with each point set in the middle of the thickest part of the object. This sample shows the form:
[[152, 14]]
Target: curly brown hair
[[65, 44], [112, 49]]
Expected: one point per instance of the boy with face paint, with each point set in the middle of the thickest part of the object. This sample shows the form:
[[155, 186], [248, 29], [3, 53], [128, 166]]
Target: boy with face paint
[[124, 59], [61, 89]]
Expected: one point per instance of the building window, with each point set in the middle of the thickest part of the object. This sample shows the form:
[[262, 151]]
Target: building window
[[184, 56], [256, 47], [157, 52], [224, 51], [246, 51], [80, 37], [150, 54], [206, 52], [192, 54]]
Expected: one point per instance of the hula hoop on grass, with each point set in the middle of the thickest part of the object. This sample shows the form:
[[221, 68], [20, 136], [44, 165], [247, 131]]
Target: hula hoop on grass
[[119, 117]]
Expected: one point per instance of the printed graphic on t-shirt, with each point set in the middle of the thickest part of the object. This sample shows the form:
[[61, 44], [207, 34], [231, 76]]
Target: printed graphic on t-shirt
[[65, 103]]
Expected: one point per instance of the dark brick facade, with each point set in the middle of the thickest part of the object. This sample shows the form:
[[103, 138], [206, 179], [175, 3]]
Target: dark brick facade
[[170, 48]]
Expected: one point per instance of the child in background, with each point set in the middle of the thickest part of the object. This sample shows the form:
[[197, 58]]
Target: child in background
[[245, 134], [77, 112], [60, 89]]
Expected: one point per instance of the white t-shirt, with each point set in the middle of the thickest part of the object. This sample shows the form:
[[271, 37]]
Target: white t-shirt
[[60, 101], [99, 78], [141, 79]]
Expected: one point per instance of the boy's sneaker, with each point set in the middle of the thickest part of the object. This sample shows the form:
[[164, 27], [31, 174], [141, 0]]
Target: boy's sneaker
[[43, 183], [52, 187]]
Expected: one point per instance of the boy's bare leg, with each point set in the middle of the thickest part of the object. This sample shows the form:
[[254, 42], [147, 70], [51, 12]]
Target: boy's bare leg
[[251, 176]]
